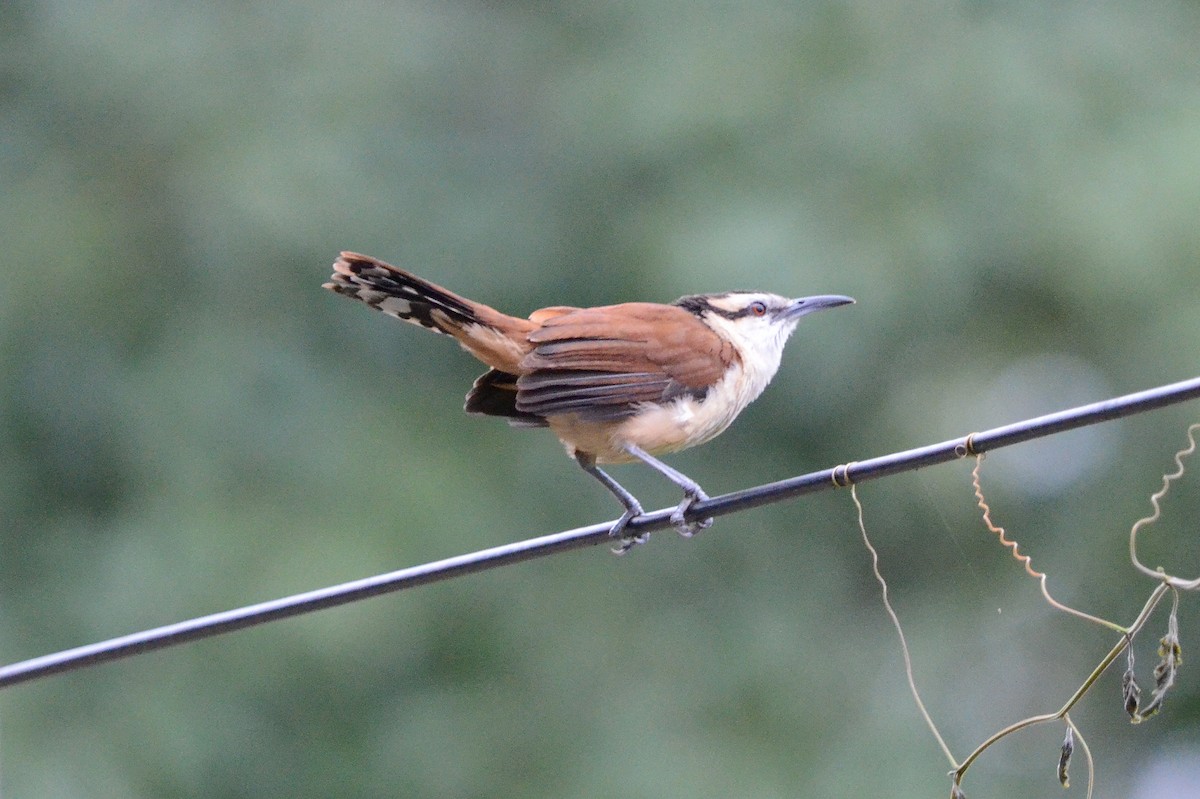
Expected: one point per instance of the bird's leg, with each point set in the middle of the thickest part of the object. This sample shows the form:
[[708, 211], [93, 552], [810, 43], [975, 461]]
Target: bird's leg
[[632, 506], [692, 492]]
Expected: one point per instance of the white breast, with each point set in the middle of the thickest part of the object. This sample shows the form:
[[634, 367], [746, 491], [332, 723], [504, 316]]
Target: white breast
[[686, 422]]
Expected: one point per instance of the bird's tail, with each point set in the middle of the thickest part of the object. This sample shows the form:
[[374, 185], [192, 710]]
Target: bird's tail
[[493, 337], [400, 294]]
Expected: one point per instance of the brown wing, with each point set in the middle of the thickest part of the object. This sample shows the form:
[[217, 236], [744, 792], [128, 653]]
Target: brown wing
[[602, 362]]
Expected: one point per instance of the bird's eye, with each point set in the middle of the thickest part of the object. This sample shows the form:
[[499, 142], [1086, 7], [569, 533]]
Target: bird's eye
[[758, 308]]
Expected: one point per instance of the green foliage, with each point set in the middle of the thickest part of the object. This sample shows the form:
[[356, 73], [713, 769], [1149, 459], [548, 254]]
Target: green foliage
[[190, 424]]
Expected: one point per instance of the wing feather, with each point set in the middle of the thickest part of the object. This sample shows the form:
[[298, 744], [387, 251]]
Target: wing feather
[[602, 363], [495, 394]]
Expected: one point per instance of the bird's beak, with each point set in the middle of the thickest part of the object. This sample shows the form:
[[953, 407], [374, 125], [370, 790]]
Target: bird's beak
[[806, 305]]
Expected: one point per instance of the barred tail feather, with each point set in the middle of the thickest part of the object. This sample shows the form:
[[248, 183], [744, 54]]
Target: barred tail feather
[[497, 339], [400, 294]]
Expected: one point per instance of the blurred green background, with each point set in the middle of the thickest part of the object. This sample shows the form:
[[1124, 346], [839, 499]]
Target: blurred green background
[[189, 424]]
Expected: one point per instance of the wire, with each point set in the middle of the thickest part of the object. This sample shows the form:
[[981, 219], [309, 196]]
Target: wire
[[839, 476]]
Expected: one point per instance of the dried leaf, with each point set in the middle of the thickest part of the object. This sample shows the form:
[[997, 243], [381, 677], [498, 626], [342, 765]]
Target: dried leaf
[[1064, 760], [1131, 693]]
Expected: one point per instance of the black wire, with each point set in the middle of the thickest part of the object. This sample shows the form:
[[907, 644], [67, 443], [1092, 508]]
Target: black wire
[[838, 476]]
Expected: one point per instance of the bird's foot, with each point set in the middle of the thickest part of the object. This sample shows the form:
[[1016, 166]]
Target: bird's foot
[[626, 542], [686, 528]]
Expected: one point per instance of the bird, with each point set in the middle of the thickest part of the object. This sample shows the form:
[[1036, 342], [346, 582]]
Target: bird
[[616, 383]]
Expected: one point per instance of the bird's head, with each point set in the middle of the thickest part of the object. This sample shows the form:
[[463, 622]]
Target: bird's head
[[757, 323]]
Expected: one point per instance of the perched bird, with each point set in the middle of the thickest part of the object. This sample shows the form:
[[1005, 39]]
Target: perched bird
[[616, 383]]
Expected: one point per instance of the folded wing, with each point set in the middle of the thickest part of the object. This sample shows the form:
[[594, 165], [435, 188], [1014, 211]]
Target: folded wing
[[602, 363]]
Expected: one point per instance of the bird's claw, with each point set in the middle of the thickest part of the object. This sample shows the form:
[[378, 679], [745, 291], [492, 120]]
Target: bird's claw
[[617, 531], [686, 528]]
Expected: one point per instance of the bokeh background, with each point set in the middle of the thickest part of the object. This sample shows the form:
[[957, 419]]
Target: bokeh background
[[189, 424]]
